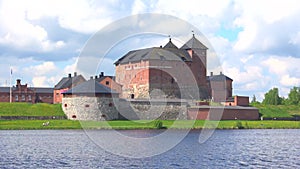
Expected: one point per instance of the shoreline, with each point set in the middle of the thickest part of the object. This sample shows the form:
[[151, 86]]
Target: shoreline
[[146, 125]]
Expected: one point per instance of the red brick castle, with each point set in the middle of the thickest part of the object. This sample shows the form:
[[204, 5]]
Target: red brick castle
[[173, 72]]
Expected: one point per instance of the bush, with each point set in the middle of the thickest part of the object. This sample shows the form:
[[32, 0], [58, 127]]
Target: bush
[[239, 125], [158, 124]]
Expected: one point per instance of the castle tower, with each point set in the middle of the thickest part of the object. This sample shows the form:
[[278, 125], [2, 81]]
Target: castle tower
[[198, 53]]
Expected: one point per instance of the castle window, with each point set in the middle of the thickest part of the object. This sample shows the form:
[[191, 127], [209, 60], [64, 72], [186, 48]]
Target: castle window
[[17, 98], [23, 97], [87, 105], [172, 80], [65, 105], [29, 97], [107, 82]]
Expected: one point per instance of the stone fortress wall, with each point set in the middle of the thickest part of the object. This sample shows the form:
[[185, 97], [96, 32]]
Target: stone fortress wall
[[89, 108], [100, 108]]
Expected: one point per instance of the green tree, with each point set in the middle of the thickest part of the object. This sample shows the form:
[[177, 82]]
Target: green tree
[[294, 96], [253, 99], [272, 97]]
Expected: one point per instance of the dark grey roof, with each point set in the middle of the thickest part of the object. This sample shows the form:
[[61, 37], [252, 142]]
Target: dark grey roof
[[42, 89], [36, 89], [90, 87], [4, 89], [220, 77], [61, 83], [170, 44], [193, 43], [66, 82], [155, 53]]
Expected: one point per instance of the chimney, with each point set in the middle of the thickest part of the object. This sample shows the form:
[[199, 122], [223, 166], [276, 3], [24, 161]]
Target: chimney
[[101, 74], [75, 74], [211, 73], [221, 73], [91, 77], [96, 77], [18, 82], [69, 75]]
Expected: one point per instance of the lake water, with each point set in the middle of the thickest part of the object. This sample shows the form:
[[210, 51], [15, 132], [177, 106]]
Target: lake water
[[225, 149]]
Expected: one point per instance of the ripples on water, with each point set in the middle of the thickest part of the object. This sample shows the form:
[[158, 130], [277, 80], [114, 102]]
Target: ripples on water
[[225, 149]]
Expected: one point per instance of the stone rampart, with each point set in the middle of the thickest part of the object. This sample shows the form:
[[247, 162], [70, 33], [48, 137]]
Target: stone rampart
[[153, 109], [89, 108]]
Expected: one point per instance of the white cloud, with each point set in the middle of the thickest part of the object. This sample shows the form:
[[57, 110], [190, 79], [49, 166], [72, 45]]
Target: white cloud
[[250, 74], [286, 69], [286, 80], [39, 81], [21, 28], [282, 65], [268, 28], [295, 39], [17, 31], [191, 8], [41, 69], [246, 58], [83, 16], [263, 55], [270, 13], [60, 44], [138, 7]]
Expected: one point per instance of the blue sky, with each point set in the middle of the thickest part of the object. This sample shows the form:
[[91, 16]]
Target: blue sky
[[257, 42]]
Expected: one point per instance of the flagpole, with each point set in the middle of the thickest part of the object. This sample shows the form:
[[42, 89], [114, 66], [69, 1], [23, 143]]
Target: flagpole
[[10, 92]]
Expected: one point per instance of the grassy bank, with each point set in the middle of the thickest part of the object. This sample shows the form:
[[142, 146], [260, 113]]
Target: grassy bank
[[143, 124], [38, 124], [41, 109], [28, 109], [276, 111]]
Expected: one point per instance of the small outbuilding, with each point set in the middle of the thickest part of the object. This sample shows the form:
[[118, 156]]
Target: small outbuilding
[[90, 101]]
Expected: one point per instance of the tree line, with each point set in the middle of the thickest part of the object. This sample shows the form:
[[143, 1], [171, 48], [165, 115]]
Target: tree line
[[272, 97]]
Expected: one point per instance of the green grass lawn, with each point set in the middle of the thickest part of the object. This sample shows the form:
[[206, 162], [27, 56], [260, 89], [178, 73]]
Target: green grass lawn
[[28, 109], [144, 124], [278, 110], [43, 109], [38, 124]]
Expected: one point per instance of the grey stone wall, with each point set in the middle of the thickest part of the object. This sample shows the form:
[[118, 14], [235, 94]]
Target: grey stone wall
[[89, 108], [151, 110], [97, 109]]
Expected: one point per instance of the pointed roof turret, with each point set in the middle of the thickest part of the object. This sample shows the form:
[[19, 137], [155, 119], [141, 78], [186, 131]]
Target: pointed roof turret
[[170, 44], [194, 43]]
